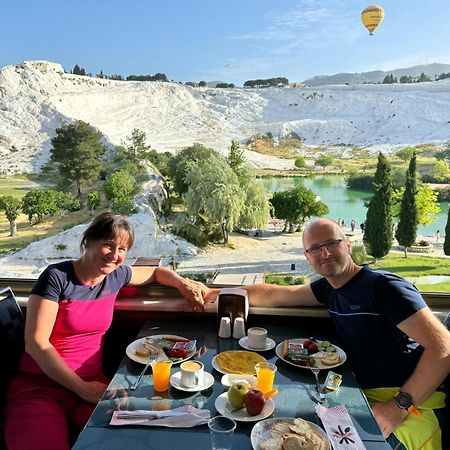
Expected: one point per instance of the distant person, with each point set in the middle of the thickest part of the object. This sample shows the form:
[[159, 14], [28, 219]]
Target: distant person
[[339, 222], [398, 349], [352, 225], [363, 227], [438, 236], [68, 313]]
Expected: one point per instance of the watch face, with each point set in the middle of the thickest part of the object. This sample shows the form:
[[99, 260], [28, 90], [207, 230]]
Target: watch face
[[403, 400]]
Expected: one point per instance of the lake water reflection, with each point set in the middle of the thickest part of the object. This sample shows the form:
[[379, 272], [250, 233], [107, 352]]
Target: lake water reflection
[[345, 204]]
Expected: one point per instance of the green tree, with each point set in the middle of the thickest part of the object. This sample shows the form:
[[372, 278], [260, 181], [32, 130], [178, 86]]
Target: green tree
[[93, 201], [407, 226], [323, 160], [426, 201], [214, 193], [300, 162], [256, 208], [38, 203], [181, 161], [423, 78], [444, 153], [66, 201], [441, 172], [447, 235], [123, 205], [76, 149], [202, 84], [137, 150], [378, 232], [236, 158], [296, 205], [76, 70], [405, 154], [11, 206], [120, 184]]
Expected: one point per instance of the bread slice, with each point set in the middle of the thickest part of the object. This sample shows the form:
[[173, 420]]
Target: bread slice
[[330, 358], [273, 443]]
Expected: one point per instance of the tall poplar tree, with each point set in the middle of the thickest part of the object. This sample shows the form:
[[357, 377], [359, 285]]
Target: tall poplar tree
[[447, 235], [378, 231], [407, 226]]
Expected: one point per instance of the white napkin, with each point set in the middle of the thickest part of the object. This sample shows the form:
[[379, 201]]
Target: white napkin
[[184, 417], [340, 428]]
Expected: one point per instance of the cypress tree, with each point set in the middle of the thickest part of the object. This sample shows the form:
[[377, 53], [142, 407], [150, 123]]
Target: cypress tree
[[447, 235], [407, 226], [378, 231]]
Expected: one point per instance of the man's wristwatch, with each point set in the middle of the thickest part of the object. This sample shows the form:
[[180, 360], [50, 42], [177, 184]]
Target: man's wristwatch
[[404, 401]]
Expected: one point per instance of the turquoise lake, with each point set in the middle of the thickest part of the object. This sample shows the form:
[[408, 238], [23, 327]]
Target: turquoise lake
[[345, 204]]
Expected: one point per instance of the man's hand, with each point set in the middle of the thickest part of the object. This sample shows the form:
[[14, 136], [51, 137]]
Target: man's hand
[[92, 391], [388, 416]]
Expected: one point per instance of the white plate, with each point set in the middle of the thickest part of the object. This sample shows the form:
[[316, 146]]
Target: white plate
[[342, 356], [230, 378], [142, 359], [262, 431], [217, 367], [223, 407], [270, 344], [175, 381]]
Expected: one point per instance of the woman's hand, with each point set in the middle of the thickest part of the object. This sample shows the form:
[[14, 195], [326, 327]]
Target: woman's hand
[[388, 416], [194, 292], [92, 391]]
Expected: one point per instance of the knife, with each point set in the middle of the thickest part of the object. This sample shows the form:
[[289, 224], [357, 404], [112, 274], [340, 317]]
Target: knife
[[149, 414]]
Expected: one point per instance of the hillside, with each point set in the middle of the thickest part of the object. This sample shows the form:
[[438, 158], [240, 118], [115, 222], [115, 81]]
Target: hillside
[[36, 97], [377, 76]]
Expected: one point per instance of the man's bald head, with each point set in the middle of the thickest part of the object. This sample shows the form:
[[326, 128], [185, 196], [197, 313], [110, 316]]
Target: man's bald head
[[316, 227]]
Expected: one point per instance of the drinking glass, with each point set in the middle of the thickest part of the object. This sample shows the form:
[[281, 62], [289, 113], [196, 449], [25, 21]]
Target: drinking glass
[[221, 429], [161, 375], [265, 376]]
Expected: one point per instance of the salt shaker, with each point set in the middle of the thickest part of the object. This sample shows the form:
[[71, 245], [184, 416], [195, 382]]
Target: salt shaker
[[225, 327], [239, 328]]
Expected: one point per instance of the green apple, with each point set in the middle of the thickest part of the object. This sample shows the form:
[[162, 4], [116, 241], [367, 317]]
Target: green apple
[[236, 394]]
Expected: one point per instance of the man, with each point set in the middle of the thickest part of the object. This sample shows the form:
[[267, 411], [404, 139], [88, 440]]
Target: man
[[394, 343]]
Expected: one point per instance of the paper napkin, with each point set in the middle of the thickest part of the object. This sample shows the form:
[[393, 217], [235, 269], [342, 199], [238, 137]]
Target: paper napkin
[[340, 428], [184, 417]]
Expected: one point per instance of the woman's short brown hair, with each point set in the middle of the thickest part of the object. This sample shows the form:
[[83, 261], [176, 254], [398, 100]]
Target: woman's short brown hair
[[105, 226]]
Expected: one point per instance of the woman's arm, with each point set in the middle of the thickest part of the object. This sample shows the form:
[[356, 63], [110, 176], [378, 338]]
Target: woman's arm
[[193, 291], [41, 317]]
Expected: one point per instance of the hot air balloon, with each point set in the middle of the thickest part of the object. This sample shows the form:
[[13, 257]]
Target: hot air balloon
[[371, 17]]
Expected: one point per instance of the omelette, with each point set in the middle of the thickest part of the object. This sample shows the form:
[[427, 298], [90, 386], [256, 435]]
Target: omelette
[[238, 361]]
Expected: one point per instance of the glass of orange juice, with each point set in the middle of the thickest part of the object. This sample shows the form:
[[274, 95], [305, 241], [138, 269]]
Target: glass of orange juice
[[161, 375], [265, 375]]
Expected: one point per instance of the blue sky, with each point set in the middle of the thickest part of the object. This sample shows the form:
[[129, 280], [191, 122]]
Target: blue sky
[[231, 41]]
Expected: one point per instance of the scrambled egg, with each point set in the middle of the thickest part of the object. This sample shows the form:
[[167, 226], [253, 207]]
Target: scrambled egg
[[237, 361]]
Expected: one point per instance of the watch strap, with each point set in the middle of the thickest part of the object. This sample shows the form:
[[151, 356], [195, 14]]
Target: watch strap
[[414, 411]]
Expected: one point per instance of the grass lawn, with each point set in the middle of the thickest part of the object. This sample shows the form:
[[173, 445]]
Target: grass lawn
[[417, 266], [18, 185]]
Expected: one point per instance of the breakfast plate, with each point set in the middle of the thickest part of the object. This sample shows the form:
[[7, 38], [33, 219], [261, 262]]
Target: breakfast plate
[[270, 344], [280, 351], [131, 349], [223, 407], [243, 362], [263, 430], [175, 381], [230, 378]]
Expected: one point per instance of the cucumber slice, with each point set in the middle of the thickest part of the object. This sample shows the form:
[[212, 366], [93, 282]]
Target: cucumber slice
[[326, 344], [330, 348]]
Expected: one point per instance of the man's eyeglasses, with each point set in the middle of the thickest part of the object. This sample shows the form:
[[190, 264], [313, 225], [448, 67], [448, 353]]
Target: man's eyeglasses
[[316, 249]]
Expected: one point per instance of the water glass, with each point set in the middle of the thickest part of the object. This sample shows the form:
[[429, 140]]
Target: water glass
[[221, 429]]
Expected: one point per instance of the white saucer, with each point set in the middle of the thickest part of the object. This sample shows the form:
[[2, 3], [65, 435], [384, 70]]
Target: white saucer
[[175, 381], [270, 344]]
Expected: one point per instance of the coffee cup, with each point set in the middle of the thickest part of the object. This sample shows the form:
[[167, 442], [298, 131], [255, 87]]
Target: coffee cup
[[257, 337], [191, 374]]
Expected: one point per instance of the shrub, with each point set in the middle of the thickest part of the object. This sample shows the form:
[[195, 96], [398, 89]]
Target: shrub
[[359, 254], [60, 247], [424, 243]]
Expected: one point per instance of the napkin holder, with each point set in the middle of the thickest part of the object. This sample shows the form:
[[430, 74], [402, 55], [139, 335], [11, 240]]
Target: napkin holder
[[232, 303]]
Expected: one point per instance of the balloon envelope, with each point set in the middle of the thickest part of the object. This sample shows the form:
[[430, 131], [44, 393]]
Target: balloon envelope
[[371, 17]]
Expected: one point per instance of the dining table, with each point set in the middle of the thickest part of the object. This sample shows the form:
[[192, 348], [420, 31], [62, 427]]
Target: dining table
[[297, 394]]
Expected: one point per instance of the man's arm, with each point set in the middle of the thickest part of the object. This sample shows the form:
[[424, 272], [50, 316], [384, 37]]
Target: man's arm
[[272, 295], [431, 370]]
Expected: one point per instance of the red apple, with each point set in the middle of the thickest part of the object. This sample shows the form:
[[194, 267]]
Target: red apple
[[254, 402]]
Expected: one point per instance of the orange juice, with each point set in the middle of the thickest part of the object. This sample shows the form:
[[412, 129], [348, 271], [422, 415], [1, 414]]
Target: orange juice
[[265, 376], [161, 375]]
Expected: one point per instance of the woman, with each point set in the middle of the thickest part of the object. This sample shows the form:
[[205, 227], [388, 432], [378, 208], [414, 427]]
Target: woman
[[69, 310]]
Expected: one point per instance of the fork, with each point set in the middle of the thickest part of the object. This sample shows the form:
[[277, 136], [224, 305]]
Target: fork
[[315, 370], [151, 358]]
